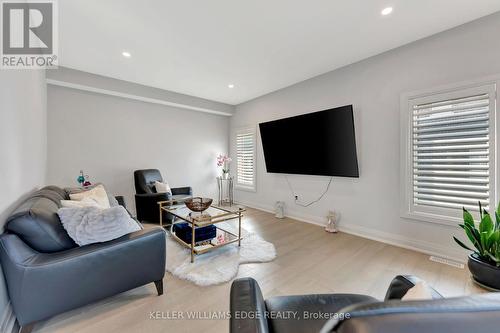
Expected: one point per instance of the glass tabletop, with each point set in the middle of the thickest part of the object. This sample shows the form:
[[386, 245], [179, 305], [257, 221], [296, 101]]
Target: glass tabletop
[[211, 215]]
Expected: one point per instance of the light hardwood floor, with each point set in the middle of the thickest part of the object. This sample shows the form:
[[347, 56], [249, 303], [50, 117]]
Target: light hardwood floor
[[309, 261]]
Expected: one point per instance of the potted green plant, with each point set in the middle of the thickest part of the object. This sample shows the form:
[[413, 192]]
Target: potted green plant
[[484, 261]]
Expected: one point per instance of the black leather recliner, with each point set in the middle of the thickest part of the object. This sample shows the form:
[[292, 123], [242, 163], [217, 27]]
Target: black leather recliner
[[350, 313], [146, 198], [47, 273]]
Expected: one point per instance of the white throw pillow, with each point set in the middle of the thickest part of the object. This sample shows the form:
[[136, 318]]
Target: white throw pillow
[[73, 190], [85, 202], [162, 187], [421, 291], [97, 194], [94, 225]]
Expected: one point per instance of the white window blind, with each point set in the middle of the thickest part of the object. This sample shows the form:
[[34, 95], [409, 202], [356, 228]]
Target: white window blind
[[451, 152], [245, 158]]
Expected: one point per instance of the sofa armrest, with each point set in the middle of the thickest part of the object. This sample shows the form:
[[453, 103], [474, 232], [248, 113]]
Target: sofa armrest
[[476, 313], [146, 206], [155, 197], [121, 201], [401, 284], [182, 190], [247, 307], [41, 285]]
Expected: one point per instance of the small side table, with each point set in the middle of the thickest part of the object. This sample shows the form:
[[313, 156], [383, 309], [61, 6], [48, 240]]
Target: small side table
[[225, 186]]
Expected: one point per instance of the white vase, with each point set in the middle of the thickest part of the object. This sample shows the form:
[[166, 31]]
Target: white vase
[[225, 175]]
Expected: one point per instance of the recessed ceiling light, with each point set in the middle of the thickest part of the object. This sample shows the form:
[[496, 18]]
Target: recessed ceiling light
[[126, 54], [230, 86], [386, 11]]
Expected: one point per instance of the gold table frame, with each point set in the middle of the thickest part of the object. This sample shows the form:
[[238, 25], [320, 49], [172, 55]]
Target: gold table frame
[[229, 213]]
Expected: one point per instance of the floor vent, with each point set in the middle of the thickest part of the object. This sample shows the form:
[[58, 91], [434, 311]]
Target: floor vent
[[446, 262]]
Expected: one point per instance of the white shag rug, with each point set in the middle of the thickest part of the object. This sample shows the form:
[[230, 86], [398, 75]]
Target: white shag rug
[[219, 265]]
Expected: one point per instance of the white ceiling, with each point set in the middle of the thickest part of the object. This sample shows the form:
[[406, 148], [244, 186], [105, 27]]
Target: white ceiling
[[199, 47]]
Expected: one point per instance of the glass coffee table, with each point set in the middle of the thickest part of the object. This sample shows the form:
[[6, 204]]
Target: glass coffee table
[[212, 216]]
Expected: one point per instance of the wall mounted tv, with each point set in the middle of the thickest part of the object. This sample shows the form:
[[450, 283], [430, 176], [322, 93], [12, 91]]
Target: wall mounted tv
[[320, 143]]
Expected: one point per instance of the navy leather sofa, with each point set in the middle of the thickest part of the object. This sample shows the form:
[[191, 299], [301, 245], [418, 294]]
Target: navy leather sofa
[[47, 273]]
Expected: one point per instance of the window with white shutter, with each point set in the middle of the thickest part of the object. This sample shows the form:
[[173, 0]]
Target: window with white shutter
[[245, 159], [450, 153]]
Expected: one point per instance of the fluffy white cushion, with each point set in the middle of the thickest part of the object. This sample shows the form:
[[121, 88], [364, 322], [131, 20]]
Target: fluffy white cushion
[[421, 291], [94, 225], [85, 202], [97, 194], [162, 187]]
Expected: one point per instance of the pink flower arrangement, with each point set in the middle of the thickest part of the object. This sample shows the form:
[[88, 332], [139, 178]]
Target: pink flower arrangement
[[223, 161]]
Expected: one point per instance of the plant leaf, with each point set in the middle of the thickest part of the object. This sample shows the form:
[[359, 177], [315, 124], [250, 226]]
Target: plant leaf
[[494, 258], [491, 239], [495, 237], [497, 220], [462, 244], [468, 219], [484, 240], [474, 237], [486, 224]]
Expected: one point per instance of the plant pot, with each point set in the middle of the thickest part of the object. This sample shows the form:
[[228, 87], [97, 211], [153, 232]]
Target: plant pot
[[483, 272]]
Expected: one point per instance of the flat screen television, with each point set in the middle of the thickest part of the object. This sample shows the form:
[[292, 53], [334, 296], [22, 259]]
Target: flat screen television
[[320, 143]]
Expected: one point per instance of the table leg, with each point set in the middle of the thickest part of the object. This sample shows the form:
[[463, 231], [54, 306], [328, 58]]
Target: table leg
[[192, 243], [161, 217], [230, 192], [219, 187], [239, 229]]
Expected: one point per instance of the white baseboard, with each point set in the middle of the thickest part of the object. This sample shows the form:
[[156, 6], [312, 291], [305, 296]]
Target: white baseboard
[[376, 235], [8, 319]]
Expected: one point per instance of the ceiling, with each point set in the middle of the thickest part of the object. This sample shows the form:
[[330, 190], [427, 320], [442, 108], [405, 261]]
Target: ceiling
[[200, 47]]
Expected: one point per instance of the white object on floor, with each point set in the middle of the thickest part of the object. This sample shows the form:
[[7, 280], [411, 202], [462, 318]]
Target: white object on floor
[[219, 265], [279, 209], [331, 225]]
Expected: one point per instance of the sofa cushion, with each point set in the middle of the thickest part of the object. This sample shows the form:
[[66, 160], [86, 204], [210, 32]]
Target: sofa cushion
[[162, 187], [97, 194], [36, 222], [85, 202], [75, 190], [90, 225], [311, 311]]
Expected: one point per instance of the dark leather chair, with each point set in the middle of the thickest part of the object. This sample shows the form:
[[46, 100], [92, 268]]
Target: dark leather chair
[[351, 313], [146, 198], [47, 273]]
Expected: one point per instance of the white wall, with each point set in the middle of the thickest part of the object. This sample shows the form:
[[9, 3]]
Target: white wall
[[370, 205], [98, 83], [23, 138], [110, 137]]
